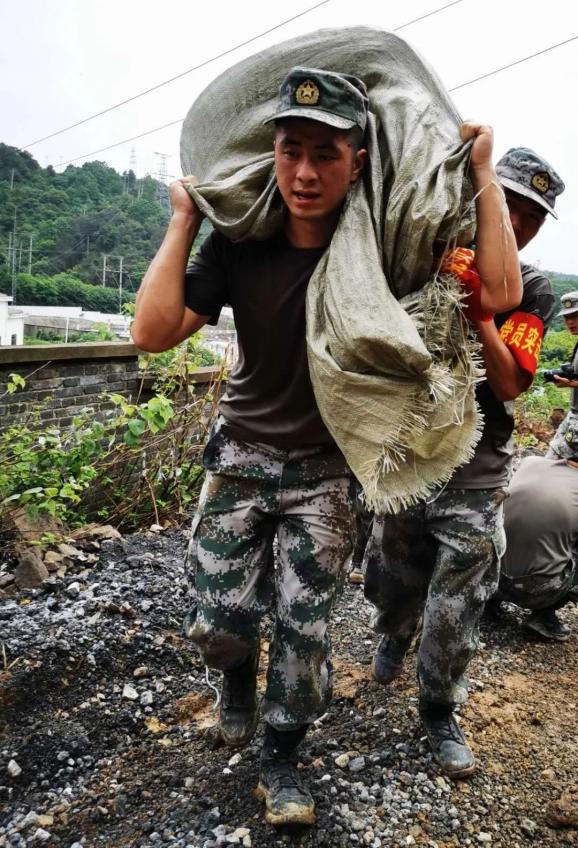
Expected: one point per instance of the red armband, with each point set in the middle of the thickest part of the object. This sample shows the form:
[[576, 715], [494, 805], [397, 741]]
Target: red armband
[[522, 334], [460, 263]]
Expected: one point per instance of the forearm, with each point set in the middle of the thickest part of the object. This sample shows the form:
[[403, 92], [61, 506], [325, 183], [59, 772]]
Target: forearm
[[507, 380], [497, 257], [160, 304]]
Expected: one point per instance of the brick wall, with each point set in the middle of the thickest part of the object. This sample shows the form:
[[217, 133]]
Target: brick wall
[[66, 378]]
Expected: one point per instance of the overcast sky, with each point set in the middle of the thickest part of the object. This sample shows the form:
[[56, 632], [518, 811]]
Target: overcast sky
[[64, 60]]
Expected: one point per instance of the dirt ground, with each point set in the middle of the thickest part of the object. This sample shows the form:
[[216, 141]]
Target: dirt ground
[[108, 732]]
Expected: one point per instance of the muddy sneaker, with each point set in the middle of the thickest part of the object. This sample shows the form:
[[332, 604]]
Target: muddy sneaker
[[388, 660], [239, 714], [548, 625], [447, 741], [287, 798]]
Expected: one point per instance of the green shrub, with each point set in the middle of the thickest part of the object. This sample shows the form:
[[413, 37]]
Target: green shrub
[[140, 464]]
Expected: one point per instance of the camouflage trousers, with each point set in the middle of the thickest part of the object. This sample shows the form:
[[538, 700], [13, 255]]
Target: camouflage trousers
[[563, 445], [539, 591], [363, 522], [252, 494], [439, 559]]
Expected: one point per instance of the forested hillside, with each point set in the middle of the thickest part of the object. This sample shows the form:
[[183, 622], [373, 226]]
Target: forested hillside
[[57, 228]]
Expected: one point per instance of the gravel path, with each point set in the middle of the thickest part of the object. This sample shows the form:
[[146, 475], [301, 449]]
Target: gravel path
[[108, 738]]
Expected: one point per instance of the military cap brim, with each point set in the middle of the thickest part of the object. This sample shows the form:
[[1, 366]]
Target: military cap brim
[[568, 298], [512, 185], [318, 115]]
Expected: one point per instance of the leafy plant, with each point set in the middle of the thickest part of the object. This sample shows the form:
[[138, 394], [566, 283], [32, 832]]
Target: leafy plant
[[141, 463]]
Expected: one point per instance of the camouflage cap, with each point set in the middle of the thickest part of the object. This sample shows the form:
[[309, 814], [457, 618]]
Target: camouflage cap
[[524, 172], [339, 100], [569, 303]]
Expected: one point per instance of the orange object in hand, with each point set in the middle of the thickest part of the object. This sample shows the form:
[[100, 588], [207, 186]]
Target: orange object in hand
[[460, 263]]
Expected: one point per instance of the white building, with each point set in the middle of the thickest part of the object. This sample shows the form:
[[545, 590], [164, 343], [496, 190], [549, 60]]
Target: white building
[[72, 319], [11, 322]]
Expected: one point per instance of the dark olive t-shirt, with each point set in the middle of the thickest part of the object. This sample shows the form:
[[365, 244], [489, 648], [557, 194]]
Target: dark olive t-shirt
[[269, 396], [490, 466]]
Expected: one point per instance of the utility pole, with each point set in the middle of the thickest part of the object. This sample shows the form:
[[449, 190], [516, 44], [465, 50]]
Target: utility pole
[[11, 179], [108, 270], [120, 258], [14, 253], [13, 271], [87, 246], [30, 254], [9, 251]]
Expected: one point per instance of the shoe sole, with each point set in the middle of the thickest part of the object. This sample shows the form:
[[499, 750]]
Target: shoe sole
[[530, 628], [457, 775], [295, 814], [241, 742]]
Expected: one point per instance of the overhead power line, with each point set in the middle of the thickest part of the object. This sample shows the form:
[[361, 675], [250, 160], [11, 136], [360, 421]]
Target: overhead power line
[[427, 15], [455, 88], [179, 76], [180, 120], [513, 64], [214, 59], [124, 141]]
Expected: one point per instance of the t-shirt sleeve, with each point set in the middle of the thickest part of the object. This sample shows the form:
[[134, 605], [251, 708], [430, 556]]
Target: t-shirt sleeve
[[206, 287], [538, 298]]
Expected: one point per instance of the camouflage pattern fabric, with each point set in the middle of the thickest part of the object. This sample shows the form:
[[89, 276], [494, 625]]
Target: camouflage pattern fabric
[[363, 523], [564, 445], [439, 558], [538, 591], [252, 493]]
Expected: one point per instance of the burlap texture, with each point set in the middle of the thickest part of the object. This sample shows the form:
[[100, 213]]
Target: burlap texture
[[389, 353]]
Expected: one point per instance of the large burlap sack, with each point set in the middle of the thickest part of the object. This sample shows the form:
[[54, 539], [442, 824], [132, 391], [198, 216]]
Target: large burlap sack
[[390, 358]]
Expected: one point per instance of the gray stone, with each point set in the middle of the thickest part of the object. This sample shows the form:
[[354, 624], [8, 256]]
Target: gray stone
[[14, 769], [357, 764], [129, 692], [30, 571], [30, 820], [528, 827]]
